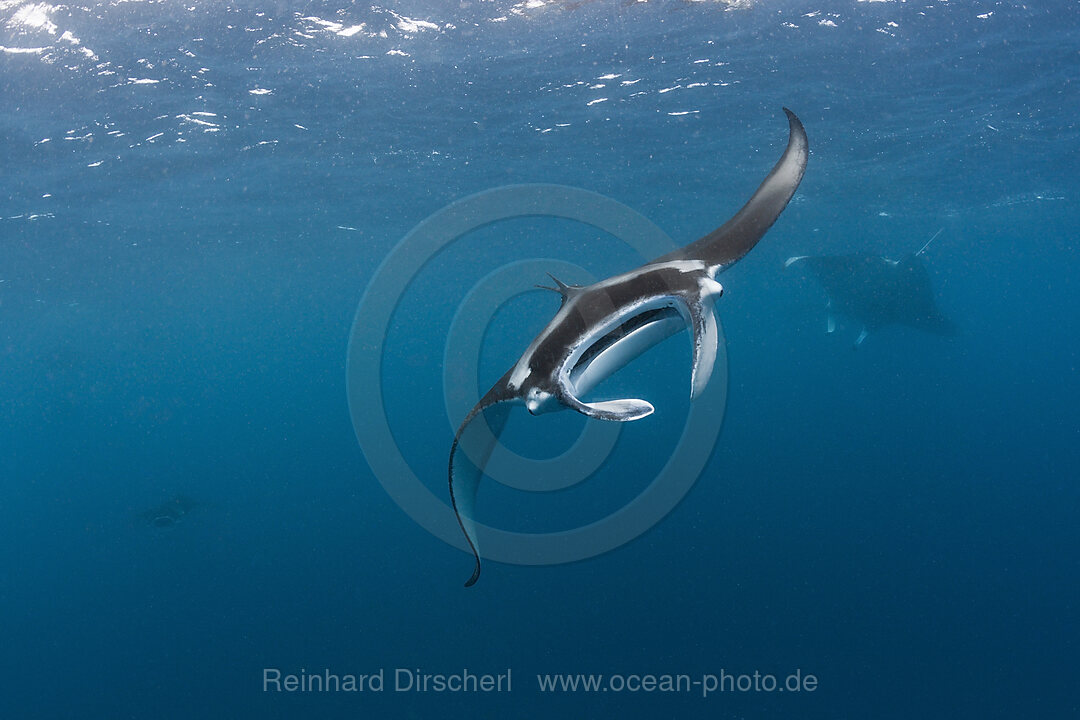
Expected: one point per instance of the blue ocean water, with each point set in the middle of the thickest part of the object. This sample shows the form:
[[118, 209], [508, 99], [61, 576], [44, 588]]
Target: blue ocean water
[[195, 197]]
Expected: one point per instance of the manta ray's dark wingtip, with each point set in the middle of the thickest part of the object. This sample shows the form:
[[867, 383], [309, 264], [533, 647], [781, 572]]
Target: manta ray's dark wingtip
[[457, 512], [797, 136], [475, 575], [795, 124], [476, 554]]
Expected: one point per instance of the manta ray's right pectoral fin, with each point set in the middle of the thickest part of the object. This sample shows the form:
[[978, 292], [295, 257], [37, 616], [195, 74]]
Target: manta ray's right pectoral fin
[[476, 446], [623, 410], [698, 314]]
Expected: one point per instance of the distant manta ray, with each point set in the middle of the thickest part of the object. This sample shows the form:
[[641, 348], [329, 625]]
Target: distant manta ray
[[876, 291], [170, 512], [601, 327]]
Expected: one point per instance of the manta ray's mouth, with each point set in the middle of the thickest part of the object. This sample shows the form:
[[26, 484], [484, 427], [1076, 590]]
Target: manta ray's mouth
[[624, 330]]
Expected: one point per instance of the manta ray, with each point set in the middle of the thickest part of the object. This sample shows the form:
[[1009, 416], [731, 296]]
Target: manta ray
[[601, 327], [876, 291]]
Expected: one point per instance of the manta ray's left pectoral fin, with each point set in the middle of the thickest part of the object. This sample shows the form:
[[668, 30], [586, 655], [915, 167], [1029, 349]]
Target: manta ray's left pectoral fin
[[699, 316]]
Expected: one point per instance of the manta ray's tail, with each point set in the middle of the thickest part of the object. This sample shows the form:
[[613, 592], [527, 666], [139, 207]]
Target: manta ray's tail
[[464, 477]]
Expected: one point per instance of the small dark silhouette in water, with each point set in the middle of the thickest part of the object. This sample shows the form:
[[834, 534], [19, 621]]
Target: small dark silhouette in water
[[170, 512]]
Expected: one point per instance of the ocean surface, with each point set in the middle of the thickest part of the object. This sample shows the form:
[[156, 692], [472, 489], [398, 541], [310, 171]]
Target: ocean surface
[[195, 197]]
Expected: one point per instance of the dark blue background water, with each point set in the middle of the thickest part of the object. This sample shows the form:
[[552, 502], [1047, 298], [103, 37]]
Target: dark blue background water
[[180, 261]]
